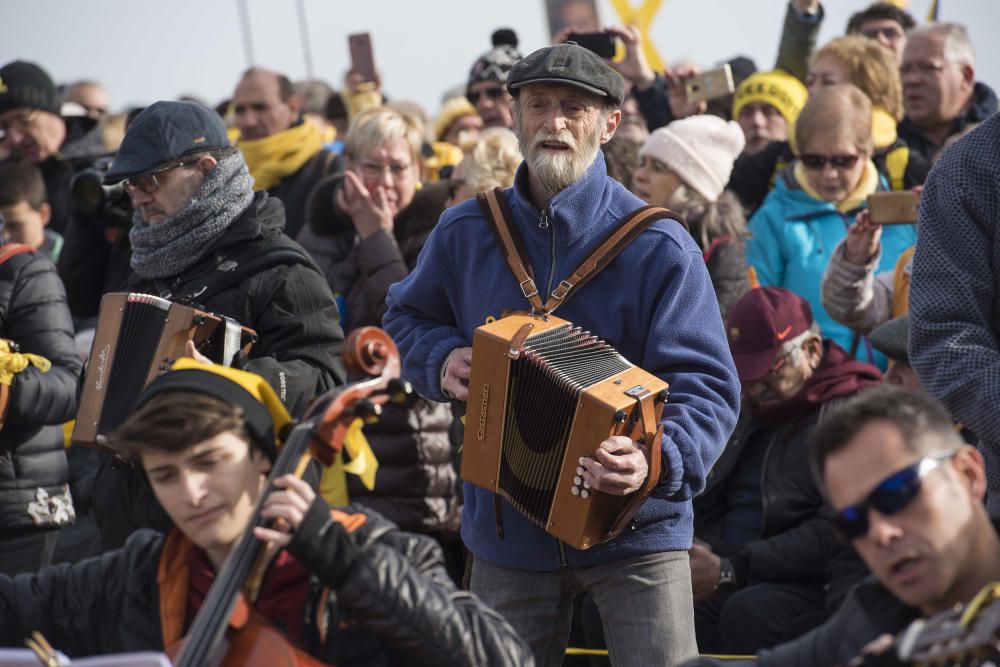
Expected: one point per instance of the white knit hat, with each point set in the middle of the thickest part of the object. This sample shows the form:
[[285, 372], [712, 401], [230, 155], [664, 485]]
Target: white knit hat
[[699, 149]]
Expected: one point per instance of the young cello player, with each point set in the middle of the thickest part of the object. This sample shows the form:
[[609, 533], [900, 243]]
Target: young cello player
[[348, 588]]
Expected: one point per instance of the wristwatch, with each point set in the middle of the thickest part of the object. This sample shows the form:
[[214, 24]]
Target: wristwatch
[[727, 576]]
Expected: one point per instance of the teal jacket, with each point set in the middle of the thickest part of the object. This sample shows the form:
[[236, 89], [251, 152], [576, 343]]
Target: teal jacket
[[793, 236]]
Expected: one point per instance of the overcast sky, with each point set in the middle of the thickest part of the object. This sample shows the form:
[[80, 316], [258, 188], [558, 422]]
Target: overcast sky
[[143, 51]]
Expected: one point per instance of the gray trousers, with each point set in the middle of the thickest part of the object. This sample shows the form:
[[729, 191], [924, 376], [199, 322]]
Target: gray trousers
[[645, 605]]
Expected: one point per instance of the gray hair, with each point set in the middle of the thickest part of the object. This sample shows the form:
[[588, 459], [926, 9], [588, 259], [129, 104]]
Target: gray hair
[[792, 346], [957, 45]]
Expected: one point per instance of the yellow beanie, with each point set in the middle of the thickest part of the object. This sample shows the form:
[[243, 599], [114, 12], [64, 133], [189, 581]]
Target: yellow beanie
[[779, 89], [453, 109], [264, 413]]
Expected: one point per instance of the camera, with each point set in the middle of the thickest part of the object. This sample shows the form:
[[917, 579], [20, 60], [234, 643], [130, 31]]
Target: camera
[[109, 205]]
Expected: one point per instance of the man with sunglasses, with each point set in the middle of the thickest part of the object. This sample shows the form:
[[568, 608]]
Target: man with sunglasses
[[202, 236], [486, 88], [908, 493], [768, 565]]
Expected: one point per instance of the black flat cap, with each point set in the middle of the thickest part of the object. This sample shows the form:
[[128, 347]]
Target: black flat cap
[[569, 64], [890, 338], [165, 131]]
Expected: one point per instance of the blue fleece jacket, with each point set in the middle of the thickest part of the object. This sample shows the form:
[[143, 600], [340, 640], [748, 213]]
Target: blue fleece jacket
[[792, 238], [654, 303]]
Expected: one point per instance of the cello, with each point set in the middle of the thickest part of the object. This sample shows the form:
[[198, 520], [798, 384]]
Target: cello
[[226, 631]]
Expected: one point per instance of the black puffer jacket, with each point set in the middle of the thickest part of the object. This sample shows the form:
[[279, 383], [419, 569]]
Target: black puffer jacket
[[33, 473], [416, 484], [291, 309], [391, 603]]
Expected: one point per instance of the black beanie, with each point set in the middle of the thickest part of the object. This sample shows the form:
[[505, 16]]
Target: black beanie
[[25, 85]]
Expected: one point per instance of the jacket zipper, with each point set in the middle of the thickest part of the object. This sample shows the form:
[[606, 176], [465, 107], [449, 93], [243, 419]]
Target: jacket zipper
[[763, 487], [544, 224], [563, 560]]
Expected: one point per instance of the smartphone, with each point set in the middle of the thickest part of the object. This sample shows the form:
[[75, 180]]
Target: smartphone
[[362, 59], [893, 208], [601, 43], [710, 84]]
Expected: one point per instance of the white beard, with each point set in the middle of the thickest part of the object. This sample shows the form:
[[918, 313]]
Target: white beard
[[556, 171]]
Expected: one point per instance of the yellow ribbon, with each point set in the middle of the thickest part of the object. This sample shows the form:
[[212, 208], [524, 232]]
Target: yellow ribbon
[[12, 363], [363, 463], [642, 18], [282, 154]]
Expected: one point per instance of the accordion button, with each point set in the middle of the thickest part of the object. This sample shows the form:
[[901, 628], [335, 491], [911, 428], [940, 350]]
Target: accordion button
[[586, 485], [579, 471], [577, 480], [585, 494], [575, 490]]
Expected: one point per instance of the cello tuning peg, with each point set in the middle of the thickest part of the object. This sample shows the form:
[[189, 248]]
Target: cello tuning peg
[[401, 392]]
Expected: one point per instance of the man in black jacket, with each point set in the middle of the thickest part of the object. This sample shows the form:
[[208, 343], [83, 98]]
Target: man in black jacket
[[766, 549], [908, 492], [348, 587], [201, 236]]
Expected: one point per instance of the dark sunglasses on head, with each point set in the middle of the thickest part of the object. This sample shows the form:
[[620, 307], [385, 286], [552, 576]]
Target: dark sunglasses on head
[[814, 161], [890, 497], [492, 93]]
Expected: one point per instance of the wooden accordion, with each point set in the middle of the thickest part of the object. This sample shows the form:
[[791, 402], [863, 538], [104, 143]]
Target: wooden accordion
[[543, 393], [138, 337]]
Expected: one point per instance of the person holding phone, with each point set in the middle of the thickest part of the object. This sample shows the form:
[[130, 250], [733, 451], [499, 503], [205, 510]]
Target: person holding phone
[[814, 204]]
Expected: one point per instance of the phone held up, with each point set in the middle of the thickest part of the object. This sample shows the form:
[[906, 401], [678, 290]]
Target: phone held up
[[893, 208], [362, 58], [601, 43], [710, 84]]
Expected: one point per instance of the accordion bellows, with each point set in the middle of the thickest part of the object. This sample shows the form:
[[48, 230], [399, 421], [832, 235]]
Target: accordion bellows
[[542, 394], [138, 337]]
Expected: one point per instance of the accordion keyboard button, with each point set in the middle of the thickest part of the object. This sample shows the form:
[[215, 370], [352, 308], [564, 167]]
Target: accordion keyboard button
[[575, 490], [585, 494]]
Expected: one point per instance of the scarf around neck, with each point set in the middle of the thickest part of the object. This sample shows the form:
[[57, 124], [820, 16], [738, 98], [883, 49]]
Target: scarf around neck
[[179, 242], [866, 185], [280, 155]]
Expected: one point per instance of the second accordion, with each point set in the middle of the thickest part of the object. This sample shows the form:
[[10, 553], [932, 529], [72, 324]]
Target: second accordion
[[542, 394], [138, 337]]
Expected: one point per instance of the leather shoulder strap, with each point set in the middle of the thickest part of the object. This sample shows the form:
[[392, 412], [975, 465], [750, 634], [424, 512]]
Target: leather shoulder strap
[[497, 212], [618, 240]]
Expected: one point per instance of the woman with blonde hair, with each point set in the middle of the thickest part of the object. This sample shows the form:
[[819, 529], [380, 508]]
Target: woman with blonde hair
[[490, 162], [814, 203], [873, 69]]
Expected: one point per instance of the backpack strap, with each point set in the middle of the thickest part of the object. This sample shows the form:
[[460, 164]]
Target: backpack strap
[[497, 212], [8, 250]]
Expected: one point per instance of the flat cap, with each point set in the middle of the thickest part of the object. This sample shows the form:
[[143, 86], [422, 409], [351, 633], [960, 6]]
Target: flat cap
[[165, 131], [891, 338], [569, 64]]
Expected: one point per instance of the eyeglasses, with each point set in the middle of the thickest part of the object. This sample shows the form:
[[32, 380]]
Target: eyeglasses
[[492, 93], [148, 183], [376, 169], [889, 33], [923, 67], [890, 497], [20, 122], [814, 161]]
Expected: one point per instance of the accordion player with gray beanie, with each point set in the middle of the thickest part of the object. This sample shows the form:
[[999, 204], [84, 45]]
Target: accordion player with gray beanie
[[685, 167], [202, 237]]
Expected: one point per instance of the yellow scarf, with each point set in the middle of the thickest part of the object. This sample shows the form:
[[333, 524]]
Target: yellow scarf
[[12, 363], [867, 185], [282, 154], [883, 128]]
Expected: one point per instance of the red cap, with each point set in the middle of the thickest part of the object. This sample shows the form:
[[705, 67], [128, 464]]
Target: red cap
[[758, 326]]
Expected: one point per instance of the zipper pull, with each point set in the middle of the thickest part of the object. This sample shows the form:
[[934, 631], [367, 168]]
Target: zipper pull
[[544, 222]]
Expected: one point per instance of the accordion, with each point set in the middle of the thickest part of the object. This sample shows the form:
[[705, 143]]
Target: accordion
[[138, 337], [542, 394]]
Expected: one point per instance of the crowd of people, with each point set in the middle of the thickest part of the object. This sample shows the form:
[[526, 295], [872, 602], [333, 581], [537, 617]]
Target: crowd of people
[[828, 466]]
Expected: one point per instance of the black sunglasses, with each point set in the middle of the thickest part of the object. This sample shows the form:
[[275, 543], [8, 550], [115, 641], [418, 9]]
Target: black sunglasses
[[813, 161], [890, 497], [492, 93]]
